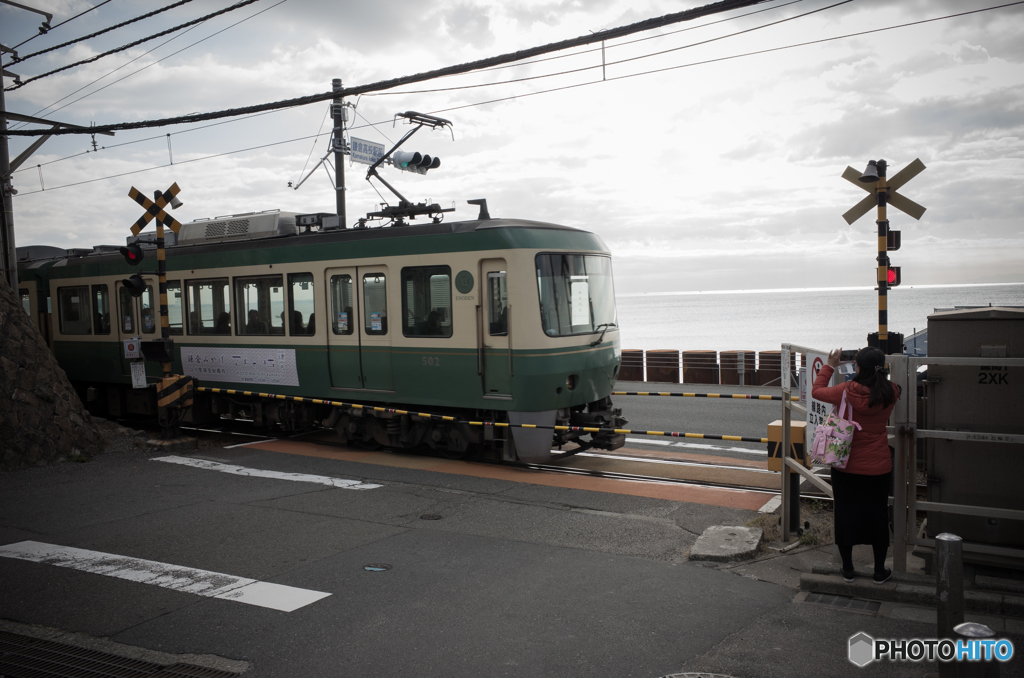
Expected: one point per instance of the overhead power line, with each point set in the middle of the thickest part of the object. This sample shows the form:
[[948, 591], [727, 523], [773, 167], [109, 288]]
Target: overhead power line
[[122, 48], [41, 32], [613, 63], [387, 84], [19, 59], [649, 24], [100, 89], [514, 96]]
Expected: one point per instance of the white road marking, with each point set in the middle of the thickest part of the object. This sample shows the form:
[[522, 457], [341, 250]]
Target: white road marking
[[701, 446], [251, 442], [261, 473], [175, 577], [772, 504]]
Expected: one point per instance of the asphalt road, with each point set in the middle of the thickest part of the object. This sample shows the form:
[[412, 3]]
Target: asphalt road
[[512, 580]]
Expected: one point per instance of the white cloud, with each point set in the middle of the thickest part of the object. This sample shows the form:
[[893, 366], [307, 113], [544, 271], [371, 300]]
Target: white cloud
[[724, 175]]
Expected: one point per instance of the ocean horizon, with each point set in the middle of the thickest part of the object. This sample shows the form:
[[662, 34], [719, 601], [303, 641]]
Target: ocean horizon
[[817, 317]]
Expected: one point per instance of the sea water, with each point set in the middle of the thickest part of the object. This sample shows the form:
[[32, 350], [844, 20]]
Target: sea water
[[760, 320]]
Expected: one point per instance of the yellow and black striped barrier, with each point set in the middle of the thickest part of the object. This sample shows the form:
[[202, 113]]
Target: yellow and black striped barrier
[[496, 424], [175, 391], [735, 396]]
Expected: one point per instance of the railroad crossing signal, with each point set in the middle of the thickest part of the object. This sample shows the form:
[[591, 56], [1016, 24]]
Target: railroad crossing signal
[[892, 276], [133, 254], [898, 201], [135, 285], [155, 209]]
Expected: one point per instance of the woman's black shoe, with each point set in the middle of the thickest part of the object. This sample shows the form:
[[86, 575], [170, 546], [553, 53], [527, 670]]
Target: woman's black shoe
[[882, 577], [848, 576]]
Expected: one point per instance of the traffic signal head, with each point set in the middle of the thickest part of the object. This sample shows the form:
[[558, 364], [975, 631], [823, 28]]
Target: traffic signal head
[[892, 276], [412, 161], [892, 240], [132, 254], [135, 284]]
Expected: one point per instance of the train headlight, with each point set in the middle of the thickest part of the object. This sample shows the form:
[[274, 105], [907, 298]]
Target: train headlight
[[570, 381]]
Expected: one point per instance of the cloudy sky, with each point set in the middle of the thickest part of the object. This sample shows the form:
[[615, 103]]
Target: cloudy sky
[[716, 172]]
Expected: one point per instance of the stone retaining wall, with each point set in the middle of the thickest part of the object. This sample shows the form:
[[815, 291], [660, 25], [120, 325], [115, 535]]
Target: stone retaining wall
[[42, 419]]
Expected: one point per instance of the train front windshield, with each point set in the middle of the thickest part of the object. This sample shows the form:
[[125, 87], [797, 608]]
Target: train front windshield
[[576, 293]]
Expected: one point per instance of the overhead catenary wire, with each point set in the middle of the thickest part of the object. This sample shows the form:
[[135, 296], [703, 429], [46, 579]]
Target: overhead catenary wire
[[612, 63], [172, 54], [61, 23], [546, 91], [20, 59], [237, 5], [646, 25], [477, 65]]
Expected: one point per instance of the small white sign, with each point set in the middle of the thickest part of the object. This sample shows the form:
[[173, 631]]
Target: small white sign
[[817, 411], [138, 374], [366, 152], [580, 292], [131, 348]]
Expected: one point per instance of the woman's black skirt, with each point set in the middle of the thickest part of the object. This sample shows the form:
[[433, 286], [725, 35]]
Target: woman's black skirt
[[861, 508]]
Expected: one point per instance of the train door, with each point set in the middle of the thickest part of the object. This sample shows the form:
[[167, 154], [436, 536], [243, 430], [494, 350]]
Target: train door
[[496, 330], [137, 318], [374, 332], [343, 337]]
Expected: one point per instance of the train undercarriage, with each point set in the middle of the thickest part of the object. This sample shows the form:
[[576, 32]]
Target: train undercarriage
[[443, 431]]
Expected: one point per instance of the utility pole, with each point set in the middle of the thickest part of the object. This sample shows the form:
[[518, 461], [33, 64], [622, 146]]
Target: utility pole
[[9, 264], [338, 113]]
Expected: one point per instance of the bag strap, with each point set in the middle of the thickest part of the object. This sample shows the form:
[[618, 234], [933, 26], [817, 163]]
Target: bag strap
[[842, 406]]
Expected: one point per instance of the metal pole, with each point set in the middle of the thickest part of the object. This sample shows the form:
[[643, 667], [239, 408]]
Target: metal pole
[[338, 113], [882, 191], [949, 584], [901, 476], [9, 260], [787, 415]]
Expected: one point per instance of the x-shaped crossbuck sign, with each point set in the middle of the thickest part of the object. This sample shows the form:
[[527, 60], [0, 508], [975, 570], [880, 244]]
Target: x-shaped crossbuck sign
[[895, 199], [155, 209]]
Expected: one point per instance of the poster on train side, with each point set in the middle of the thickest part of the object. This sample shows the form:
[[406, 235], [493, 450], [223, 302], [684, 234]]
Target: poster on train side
[[273, 366]]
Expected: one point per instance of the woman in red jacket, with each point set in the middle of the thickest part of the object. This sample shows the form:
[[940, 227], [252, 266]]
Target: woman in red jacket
[[861, 490]]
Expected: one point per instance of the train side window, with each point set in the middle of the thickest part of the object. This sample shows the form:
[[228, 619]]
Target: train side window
[[73, 305], [100, 309], [149, 312], [127, 317], [259, 305], [209, 306], [301, 319], [26, 300], [497, 303], [342, 319], [174, 307], [427, 301], [375, 309]]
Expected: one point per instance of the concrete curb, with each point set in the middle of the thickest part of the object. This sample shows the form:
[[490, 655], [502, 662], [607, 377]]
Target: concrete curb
[[911, 593]]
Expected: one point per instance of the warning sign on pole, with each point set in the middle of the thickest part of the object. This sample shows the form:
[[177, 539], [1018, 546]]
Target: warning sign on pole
[[817, 410], [139, 374]]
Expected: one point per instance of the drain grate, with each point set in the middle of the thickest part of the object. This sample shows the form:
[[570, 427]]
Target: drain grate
[[27, 657], [843, 602]]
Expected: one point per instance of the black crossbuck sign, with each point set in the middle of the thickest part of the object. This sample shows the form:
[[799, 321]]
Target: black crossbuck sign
[[895, 199], [155, 209]]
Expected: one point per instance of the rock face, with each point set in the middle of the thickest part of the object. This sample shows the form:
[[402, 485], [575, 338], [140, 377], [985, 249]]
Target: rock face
[[42, 419]]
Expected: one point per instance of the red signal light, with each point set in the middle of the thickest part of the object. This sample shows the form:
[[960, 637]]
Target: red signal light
[[892, 276], [132, 254]]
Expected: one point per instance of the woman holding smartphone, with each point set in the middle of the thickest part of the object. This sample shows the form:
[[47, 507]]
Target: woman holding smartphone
[[861, 490]]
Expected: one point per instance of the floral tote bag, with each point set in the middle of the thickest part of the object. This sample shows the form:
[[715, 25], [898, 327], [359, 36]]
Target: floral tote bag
[[832, 440]]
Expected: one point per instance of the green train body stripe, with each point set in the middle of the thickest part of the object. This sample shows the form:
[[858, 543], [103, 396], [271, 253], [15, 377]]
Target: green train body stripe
[[583, 429], [734, 396]]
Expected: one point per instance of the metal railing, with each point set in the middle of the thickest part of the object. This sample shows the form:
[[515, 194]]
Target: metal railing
[[902, 372]]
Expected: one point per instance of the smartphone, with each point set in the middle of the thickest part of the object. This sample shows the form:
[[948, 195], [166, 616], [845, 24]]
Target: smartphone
[[848, 355]]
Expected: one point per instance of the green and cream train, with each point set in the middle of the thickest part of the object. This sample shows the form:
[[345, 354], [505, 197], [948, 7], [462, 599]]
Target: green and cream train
[[492, 319]]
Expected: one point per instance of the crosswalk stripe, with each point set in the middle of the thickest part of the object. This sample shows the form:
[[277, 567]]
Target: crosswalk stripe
[[175, 577], [341, 483]]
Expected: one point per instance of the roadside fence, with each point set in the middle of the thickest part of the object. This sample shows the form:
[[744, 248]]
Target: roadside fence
[[671, 366]]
